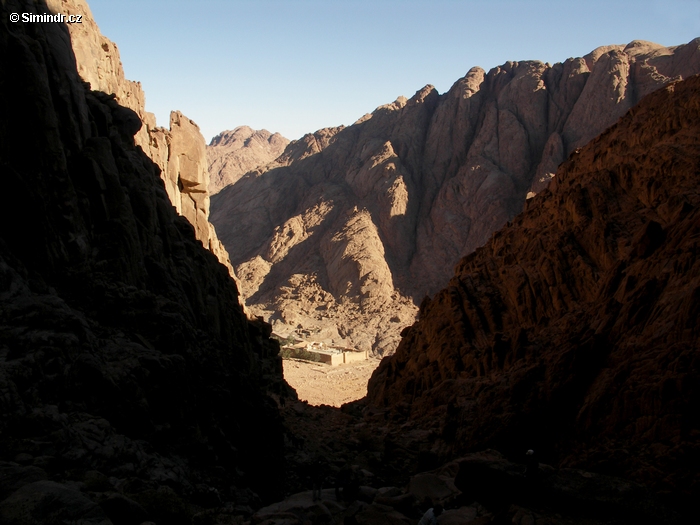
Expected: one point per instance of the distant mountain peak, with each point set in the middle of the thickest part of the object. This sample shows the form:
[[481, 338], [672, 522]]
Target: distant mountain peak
[[437, 175], [233, 153]]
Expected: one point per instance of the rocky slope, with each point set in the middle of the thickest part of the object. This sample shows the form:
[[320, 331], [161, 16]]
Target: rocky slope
[[351, 227], [179, 152], [574, 331], [129, 375], [232, 154]]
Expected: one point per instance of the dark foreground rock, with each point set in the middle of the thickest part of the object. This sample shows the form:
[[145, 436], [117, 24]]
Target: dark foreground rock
[[131, 382], [480, 488], [574, 331], [133, 388]]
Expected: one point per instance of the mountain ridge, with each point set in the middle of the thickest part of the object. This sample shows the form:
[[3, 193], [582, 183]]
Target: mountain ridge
[[436, 174], [233, 153], [573, 330], [134, 388]]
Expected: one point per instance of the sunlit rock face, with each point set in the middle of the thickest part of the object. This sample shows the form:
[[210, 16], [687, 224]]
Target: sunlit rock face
[[232, 154], [419, 183], [180, 152], [126, 362], [574, 330]]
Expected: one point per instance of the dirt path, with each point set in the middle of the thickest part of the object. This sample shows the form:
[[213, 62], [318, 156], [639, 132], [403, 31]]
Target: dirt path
[[321, 384]]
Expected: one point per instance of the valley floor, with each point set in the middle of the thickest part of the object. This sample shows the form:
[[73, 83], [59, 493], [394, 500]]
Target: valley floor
[[321, 384]]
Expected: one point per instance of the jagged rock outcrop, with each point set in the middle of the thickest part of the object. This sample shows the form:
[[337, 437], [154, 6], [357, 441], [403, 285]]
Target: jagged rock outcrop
[[98, 62], [179, 152], [574, 331], [184, 171], [130, 379], [435, 175], [232, 154]]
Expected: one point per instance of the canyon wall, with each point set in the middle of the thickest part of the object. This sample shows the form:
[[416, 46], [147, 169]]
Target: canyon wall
[[130, 379], [179, 152], [574, 330], [232, 154], [350, 228]]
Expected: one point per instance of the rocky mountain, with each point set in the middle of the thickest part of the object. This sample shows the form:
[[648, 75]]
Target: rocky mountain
[[129, 374], [351, 227], [574, 331], [232, 154], [133, 389], [179, 152]]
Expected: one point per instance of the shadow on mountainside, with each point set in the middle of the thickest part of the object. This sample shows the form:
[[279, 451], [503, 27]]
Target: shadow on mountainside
[[131, 380], [265, 201], [134, 389], [574, 328]]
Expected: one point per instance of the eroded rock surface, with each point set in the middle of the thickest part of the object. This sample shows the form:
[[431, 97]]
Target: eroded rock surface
[[232, 154], [574, 330], [130, 379], [179, 152], [350, 228]]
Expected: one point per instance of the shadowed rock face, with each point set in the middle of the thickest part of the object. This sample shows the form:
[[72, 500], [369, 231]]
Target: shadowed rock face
[[434, 176], [574, 331], [126, 362], [232, 154], [179, 152]]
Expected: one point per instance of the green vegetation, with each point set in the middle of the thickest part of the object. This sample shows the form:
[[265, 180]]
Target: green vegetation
[[299, 353], [289, 340], [294, 353]]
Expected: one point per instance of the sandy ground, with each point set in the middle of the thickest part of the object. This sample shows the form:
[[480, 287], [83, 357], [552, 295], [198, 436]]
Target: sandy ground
[[321, 384]]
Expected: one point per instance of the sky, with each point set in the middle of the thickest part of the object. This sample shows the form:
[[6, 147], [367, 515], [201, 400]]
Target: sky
[[295, 66]]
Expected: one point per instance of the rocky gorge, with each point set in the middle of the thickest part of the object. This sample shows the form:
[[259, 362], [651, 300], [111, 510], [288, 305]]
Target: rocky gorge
[[352, 227], [129, 373], [180, 151], [574, 330], [135, 390]]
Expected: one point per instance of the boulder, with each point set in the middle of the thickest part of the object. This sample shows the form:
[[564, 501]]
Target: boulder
[[434, 488], [50, 502], [14, 477]]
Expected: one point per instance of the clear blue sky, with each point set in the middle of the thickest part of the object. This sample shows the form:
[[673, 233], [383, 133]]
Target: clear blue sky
[[295, 66]]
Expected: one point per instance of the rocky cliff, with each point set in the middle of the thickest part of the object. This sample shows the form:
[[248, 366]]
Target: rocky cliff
[[232, 154], [129, 376], [574, 330], [350, 227], [179, 152]]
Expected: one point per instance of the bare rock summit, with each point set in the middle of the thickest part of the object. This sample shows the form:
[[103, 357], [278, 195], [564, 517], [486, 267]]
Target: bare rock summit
[[232, 154], [356, 225]]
